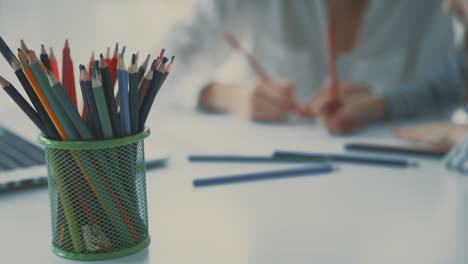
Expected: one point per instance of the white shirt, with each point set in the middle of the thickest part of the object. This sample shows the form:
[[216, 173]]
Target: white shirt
[[399, 41]]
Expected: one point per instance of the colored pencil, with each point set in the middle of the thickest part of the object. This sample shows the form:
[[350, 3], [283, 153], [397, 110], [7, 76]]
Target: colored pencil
[[266, 175], [249, 58], [144, 86], [53, 64], [68, 76], [429, 152], [332, 67], [57, 108], [123, 94], [22, 103], [252, 159], [133, 95], [142, 69], [44, 57], [113, 65], [109, 95], [90, 103], [72, 112], [151, 94], [7, 53], [91, 63], [349, 158], [101, 104], [41, 95], [49, 130]]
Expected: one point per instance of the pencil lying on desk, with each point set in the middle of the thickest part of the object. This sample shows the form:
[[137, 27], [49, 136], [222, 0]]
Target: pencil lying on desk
[[253, 159], [437, 153], [349, 158], [266, 175]]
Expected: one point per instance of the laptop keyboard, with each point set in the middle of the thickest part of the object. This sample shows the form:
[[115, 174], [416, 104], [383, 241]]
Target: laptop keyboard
[[22, 163]]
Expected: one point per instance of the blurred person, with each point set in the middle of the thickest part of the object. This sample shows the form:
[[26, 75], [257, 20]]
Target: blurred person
[[443, 88], [287, 38]]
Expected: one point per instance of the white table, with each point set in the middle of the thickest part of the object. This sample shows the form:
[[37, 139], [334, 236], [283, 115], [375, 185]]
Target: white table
[[358, 214]]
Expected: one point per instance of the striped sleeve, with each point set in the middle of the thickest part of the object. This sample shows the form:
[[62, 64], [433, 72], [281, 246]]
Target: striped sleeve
[[434, 92]]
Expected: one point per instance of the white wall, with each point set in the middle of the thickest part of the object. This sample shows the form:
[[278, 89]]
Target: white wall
[[90, 25]]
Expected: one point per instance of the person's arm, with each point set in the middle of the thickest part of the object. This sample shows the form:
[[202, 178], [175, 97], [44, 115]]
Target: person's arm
[[432, 93], [457, 158]]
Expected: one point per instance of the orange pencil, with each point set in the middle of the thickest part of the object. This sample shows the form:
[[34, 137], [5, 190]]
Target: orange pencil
[[68, 77]]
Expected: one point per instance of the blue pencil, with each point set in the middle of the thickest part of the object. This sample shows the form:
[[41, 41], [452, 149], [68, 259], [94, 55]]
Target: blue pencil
[[267, 175], [348, 158], [124, 101]]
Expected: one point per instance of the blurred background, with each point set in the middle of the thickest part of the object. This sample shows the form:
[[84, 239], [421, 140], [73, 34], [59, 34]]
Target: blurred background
[[89, 25]]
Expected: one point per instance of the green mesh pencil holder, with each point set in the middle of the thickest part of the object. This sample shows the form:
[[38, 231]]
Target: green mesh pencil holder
[[97, 193]]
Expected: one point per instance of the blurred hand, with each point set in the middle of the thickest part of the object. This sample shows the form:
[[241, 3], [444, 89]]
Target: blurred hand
[[358, 107], [437, 134], [254, 100]]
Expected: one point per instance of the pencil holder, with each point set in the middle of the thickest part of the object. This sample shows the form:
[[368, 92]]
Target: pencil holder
[[97, 192]]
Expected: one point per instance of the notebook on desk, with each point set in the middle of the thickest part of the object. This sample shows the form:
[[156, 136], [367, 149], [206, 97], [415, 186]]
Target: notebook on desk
[[22, 162]]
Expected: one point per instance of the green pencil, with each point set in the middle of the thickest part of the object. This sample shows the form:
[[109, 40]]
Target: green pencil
[[67, 104], [43, 81], [101, 104]]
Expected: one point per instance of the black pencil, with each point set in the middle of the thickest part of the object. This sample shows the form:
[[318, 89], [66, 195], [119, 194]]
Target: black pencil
[[349, 158], [110, 97], [90, 103], [267, 175], [7, 52], [133, 95], [22, 103], [151, 94], [45, 58], [436, 153]]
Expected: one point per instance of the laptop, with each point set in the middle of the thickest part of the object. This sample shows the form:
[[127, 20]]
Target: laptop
[[22, 162]]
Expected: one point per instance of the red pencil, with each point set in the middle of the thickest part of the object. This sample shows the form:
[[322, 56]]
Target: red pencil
[[332, 69], [53, 64], [68, 77], [113, 65]]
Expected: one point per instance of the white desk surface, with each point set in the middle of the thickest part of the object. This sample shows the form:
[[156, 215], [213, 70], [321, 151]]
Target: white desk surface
[[357, 214]]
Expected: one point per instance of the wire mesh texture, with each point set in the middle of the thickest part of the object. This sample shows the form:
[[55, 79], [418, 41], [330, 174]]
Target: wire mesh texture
[[97, 193]]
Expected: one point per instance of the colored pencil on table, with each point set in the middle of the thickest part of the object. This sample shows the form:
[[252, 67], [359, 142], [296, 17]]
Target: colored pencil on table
[[44, 57], [101, 104], [71, 111], [133, 95], [22, 103], [109, 96], [348, 158], [68, 76], [430, 152], [253, 159], [266, 175], [57, 108], [144, 86], [148, 101], [90, 103], [53, 64], [123, 94]]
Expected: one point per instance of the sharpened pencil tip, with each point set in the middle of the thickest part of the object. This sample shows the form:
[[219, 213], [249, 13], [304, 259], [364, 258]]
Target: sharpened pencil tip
[[133, 58], [82, 67], [165, 60], [101, 56], [4, 83], [67, 45]]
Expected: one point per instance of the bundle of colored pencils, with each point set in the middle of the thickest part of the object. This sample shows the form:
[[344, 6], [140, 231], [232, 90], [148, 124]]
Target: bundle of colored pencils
[[53, 104]]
